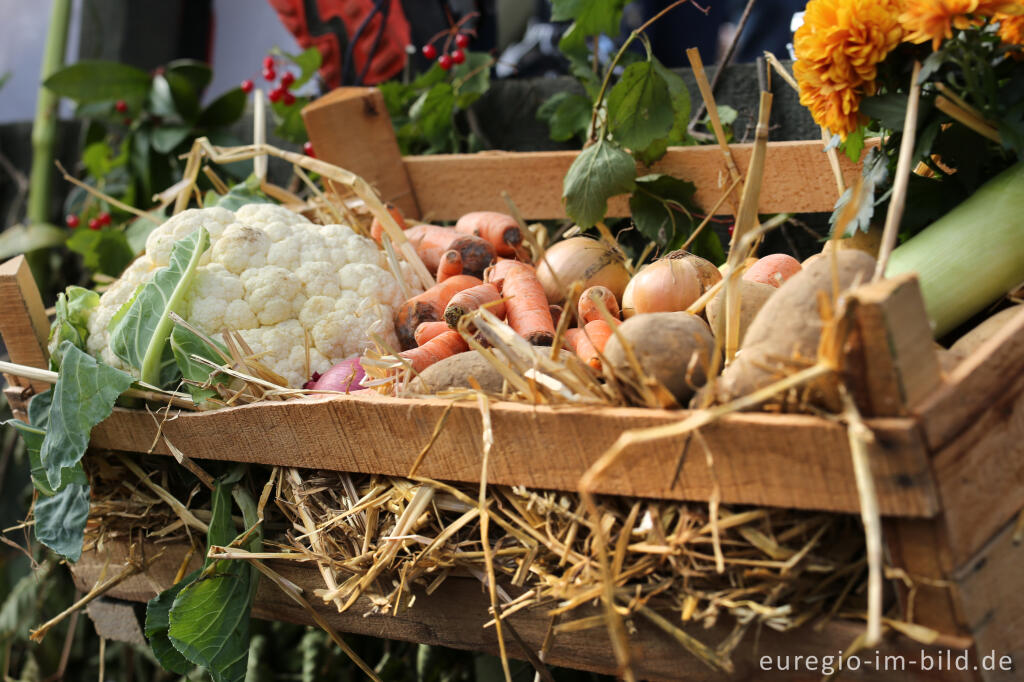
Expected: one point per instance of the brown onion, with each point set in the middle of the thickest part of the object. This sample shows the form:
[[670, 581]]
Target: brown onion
[[579, 259], [664, 286]]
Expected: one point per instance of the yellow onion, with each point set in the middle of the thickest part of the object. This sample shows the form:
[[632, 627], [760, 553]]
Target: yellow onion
[[579, 259], [664, 286]]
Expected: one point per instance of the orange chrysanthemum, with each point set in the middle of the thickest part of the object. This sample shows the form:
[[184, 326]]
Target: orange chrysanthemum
[[934, 20], [838, 49], [1011, 28]]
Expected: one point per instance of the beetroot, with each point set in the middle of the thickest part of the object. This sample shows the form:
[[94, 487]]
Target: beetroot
[[344, 377]]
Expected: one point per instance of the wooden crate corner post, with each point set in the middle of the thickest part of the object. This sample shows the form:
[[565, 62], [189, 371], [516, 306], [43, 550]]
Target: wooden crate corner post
[[25, 329]]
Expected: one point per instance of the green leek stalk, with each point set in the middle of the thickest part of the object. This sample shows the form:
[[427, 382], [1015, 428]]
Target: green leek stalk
[[971, 256]]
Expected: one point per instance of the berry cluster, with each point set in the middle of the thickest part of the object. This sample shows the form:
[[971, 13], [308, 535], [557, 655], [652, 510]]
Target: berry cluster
[[447, 59], [96, 223], [279, 94]]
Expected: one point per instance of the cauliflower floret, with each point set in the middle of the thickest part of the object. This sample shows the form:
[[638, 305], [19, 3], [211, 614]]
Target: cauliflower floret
[[273, 276]]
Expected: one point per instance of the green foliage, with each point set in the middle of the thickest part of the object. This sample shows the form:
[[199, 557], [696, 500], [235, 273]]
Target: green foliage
[[639, 107], [106, 251], [185, 344], [289, 116], [70, 322], [600, 172], [96, 81], [567, 115], [663, 212]]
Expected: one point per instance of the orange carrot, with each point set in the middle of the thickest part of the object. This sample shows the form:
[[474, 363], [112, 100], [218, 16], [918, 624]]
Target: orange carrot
[[451, 264], [428, 307], [572, 338], [526, 305], [496, 273], [588, 309], [468, 300], [377, 229], [556, 314], [431, 242], [428, 330], [592, 341], [442, 346], [501, 230]]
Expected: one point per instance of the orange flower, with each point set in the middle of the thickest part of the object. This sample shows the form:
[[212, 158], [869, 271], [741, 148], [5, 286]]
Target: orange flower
[[934, 20], [1011, 28], [838, 49]]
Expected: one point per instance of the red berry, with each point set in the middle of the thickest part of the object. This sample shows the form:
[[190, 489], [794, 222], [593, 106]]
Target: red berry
[[246, 86], [71, 220], [121, 106], [430, 52], [462, 40], [275, 95], [458, 56], [269, 74], [732, 228], [268, 62], [287, 79], [307, 149], [104, 218], [445, 62], [288, 98], [95, 224]]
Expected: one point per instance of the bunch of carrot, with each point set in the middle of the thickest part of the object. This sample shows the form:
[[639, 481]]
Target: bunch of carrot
[[589, 339]]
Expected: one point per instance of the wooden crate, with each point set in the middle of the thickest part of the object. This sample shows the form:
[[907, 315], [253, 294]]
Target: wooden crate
[[948, 456]]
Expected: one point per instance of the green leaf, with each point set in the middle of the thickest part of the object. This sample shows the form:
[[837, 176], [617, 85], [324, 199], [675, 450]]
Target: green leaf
[[158, 614], [185, 344], [140, 161], [567, 115], [600, 172], [243, 193], [33, 434], [140, 336], [161, 98], [397, 96], [25, 239], [662, 207], [590, 17], [640, 107], [185, 95], [138, 230], [71, 320], [308, 62], [165, 138], [680, 95], [83, 396], [432, 111], [60, 520], [97, 159], [105, 251], [224, 110], [197, 73], [97, 80], [290, 125], [468, 88], [854, 144]]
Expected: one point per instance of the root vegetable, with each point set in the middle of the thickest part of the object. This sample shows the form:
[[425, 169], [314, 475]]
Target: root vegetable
[[428, 307], [455, 372], [588, 309], [773, 269], [664, 286], [753, 296], [500, 229], [708, 274], [580, 259], [442, 346], [451, 264], [431, 242], [344, 376], [377, 229], [969, 342], [556, 314], [428, 330], [496, 273], [591, 342], [526, 306], [674, 348], [468, 300]]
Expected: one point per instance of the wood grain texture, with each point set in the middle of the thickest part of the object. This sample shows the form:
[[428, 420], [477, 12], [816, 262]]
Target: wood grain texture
[[973, 385], [993, 602], [351, 128], [760, 459], [454, 614], [797, 178], [23, 322], [980, 474], [919, 548]]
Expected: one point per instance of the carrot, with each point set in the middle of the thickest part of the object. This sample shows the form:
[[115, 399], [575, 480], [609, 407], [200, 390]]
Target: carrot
[[428, 330], [451, 264], [428, 307], [556, 314], [592, 341], [431, 242], [588, 309], [468, 300], [442, 346], [571, 338], [377, 229], [527, 307], [496, 273], [501, 230]]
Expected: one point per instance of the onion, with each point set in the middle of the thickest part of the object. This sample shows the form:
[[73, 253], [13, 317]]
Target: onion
[[579, 259], [664, 286], [344, 377]]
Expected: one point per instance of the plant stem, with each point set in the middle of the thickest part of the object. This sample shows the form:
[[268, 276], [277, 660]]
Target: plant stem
[[618, 55]]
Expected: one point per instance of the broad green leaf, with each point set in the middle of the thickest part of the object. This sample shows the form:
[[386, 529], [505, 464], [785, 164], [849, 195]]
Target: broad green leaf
[[590, 17], [105, 251], [161, 98], [83, 396], [567, 114], [308, 62], [472, 78], [224, 110], [680, 95], [640, 107], [25, 239], [429, 78], [600, 172], [184, 345], [290, 125], [662, 207], [247, 192], [97, 80], [60, 520], [397, 96], [432, 111], [158, 613], [165, 138], [196, 72], [854, 144], [140, 160], [140, 337], [97, 159], [71, 321], [186, 97], [581, 69]]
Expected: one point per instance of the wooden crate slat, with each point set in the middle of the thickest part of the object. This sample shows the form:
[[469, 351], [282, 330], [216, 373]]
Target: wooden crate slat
[[760, 459], [797, 178], [23, 324], [453, 615]]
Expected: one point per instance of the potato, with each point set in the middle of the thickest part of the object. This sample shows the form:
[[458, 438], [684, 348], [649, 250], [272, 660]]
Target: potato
[[869, 242], [753, 295], [969, 342], [773, 269], [455, 371], [784, 335], [665, 344]]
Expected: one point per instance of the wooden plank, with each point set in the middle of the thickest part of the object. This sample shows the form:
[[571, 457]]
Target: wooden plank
[[980, 474], [896, 366], [449, 185], [972, 386], [453, 616], [760, 459], [918, 547], [991, 587], [23, 322], [351, 128]]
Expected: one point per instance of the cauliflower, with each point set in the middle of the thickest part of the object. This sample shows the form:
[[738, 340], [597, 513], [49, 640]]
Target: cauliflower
[[276, 278]]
